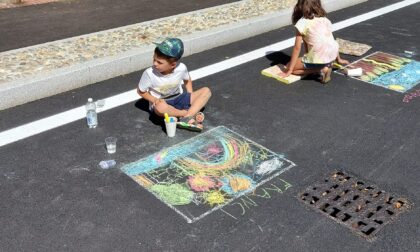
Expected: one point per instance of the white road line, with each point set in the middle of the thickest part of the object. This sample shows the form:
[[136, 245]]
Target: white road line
[[54, 121]]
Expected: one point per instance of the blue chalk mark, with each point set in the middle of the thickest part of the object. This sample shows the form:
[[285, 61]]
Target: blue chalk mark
[[168, 155], [408, 77], [162, 158]]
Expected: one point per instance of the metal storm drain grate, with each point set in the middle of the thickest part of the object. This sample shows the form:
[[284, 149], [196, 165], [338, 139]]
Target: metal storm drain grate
[[362, 207]]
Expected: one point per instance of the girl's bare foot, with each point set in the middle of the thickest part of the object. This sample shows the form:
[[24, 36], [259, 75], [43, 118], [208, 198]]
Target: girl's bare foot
[[326, 75]]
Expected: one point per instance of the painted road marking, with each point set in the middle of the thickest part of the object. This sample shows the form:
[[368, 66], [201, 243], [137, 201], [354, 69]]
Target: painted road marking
[[60, 119]]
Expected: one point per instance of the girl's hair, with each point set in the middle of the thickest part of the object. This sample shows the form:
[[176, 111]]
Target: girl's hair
[[166, 57], [308, 9]]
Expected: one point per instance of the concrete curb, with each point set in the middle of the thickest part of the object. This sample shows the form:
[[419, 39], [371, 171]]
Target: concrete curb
[[36, 87]]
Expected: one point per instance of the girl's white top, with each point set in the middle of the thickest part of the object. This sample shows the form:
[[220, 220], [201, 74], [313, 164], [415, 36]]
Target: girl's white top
[[317, 33]]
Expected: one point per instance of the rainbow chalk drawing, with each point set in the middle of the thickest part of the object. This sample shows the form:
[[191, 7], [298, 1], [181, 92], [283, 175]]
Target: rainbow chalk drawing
[[388, 71], [207, 172]]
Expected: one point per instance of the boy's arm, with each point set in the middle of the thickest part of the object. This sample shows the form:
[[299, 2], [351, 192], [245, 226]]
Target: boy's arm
[[147, 96], [144, 84], [188, 85]]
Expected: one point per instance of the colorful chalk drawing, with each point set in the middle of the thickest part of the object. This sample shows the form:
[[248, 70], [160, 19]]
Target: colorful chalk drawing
[[388, 71], [207, 172]]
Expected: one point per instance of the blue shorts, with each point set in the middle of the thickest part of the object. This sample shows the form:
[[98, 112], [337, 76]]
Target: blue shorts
[[181, 102], [315, 66]]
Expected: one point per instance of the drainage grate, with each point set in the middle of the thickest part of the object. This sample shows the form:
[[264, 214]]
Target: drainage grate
[[362, 207]]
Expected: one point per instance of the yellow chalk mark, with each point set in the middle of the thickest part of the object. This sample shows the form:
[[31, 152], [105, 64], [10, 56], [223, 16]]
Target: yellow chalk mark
[[142, 180], [239, 184], [214, 198], [232, 161], [382, 64], [396, 87]]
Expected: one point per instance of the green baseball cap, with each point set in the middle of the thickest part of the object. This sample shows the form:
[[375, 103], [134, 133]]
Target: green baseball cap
[[172, 47]]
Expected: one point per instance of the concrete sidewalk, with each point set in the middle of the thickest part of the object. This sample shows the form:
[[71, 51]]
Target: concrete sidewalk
[[35, 72]]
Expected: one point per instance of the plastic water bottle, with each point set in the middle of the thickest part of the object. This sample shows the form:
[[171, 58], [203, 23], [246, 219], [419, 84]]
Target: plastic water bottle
[[91, 116], [106, 164]]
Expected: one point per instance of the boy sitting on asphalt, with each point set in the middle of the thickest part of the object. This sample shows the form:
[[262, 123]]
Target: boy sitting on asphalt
[[161, 85]]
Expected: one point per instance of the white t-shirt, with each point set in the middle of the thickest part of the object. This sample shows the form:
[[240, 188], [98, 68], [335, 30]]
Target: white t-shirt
[[161, 86], [317, 33]]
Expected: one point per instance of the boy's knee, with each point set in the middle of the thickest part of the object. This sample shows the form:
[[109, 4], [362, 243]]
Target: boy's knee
[[207, 91], [160, 108]]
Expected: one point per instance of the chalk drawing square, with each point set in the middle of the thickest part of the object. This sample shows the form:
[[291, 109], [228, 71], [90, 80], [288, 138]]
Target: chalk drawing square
[[207, 172], [389, 71]]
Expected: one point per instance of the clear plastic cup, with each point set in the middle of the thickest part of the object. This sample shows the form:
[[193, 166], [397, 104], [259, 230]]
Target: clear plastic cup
[[111, 144]]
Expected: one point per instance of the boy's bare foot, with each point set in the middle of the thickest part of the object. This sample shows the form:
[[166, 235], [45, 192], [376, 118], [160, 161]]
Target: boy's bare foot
[[199, 117], [194, 123], [196, 119]]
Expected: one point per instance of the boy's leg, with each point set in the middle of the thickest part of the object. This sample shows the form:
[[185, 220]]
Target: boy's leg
[[199, 99], [161, 107]]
